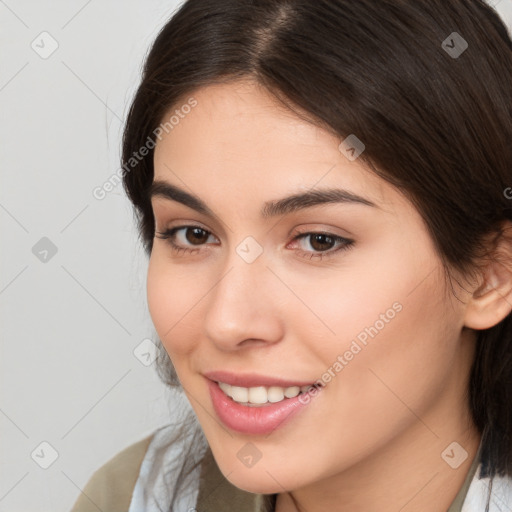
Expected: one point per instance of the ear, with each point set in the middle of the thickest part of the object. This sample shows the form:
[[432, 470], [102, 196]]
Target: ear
[[491, 301]]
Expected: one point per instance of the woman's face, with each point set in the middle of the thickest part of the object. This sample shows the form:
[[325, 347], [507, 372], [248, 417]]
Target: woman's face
[[253, 293]]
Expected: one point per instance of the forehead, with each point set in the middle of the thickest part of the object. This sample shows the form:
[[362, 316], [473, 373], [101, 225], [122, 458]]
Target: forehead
[[238, 137]]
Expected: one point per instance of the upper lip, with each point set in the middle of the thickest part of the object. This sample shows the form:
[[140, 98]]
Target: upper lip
[[249, 380]]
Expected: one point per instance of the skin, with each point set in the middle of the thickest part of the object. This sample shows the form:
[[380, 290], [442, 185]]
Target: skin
[[373, 438]]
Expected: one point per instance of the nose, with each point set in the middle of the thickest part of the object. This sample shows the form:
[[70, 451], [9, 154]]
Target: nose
[[243, 308]]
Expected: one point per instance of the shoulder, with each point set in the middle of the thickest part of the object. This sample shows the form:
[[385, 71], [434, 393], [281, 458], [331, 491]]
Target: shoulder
[[110, 487]]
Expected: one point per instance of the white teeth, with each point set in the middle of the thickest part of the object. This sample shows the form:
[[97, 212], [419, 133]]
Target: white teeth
[[225, 387], [239, 394], [275, 394], [257, 395], [261, 395], [291, 392]]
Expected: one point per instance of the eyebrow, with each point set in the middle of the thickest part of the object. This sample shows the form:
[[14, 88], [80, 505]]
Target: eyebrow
[[273, 208]]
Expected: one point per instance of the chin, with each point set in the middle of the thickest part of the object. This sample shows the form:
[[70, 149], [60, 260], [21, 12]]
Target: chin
[[257, 485]]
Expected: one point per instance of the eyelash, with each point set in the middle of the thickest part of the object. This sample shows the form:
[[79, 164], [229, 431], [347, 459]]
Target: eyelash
[[345, 243]]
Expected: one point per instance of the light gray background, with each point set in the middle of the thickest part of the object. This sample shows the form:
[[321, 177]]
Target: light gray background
[[70, 324]]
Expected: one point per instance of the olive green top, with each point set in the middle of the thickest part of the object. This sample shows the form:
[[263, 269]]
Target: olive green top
[[110, 488]]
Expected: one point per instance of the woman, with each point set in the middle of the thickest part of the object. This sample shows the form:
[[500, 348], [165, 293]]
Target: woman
[[321, 188]]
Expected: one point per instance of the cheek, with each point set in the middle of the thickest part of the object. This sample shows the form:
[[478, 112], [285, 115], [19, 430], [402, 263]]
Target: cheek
[[356, 302], [392, 368], [171, 301], [394, 298], [393, 334]]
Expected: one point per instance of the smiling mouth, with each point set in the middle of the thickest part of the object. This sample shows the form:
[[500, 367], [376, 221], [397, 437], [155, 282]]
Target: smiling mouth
[[262, 395]]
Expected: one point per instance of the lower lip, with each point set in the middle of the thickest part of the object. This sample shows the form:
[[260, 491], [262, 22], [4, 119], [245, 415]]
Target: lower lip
[[262, 419]]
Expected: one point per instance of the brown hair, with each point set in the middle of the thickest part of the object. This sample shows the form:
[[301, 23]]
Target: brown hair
[[436, 124]]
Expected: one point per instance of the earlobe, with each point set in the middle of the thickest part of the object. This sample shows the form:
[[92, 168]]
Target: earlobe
[[491, 302]]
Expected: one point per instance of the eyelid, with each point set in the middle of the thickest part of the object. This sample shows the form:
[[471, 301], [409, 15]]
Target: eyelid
[[310, 227], [343, 242], [307, 229], [165, 216], [181, 223]]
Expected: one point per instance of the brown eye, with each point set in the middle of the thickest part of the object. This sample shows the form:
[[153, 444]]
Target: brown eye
[[197, 235], [185, 239], [321, 242], [321, 245], [190, 239]]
